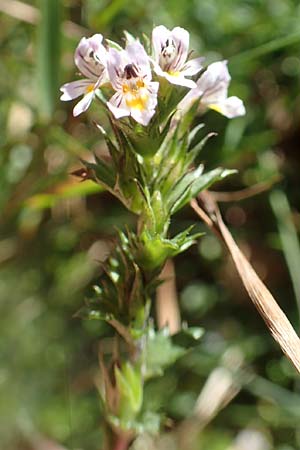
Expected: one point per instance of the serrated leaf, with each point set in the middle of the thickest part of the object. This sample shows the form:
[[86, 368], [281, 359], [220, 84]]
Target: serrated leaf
[[193, 133], [194, 152], [130, 388], [113, 44], [129, 37], [104, 174], [160, 353], [181, 190], [194, 185]]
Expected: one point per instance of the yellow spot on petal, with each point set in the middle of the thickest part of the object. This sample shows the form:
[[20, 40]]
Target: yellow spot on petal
[[136, 95], [217, 108], [140, 84], [137, 102], [90, 88], [174, 74]]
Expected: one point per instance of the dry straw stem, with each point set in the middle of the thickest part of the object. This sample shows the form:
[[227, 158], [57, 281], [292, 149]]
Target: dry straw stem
[[275, 319], [167, 309], [243, 194]]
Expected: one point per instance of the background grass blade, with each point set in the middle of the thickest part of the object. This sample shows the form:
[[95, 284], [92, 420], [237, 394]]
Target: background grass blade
[[289, 238], [48, 52]]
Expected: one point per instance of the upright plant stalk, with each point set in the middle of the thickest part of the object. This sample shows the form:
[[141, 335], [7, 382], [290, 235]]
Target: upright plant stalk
[[49, 43], [151, 102]]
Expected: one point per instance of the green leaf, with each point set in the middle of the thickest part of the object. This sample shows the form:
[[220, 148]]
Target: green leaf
[[104, 174], [130, 388], [160, 352], [193, 133], [181, 190], [153, 249], [188, 337], [193, 183], [113, 44], [129, 37], [194, 152]]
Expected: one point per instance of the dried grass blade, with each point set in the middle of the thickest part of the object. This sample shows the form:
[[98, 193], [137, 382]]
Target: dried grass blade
[[275, 319]]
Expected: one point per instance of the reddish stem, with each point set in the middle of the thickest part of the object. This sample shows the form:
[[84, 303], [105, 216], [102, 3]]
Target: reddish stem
[[122, 442]]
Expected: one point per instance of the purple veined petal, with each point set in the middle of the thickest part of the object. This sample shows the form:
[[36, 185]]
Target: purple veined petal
[[138, 56], [153, 87], [84, 104], [117, 106], [214, 82], [192, 67], [157, 69], [181, 38], [103, 79], [175, 78], [151, 92], [95, 42], [160, 35], [230, 107], [100, 52], [87, 57], [115, 66], [74, 89], [179, 80]]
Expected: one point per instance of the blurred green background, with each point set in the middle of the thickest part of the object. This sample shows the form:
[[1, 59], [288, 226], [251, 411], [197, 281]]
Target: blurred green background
[[54, 230]]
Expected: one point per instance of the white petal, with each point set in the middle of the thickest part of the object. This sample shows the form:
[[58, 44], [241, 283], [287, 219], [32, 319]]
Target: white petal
[[138, 56], [214, 82], [74, 89], [157, 69], [153, 87], [95, 44], [83, 104], [182, 40], [191, 97], [90, 56], [142, 116], [192, 67], [118, 106], [160, 35], [179, 80], [115, 65], [231, 107]]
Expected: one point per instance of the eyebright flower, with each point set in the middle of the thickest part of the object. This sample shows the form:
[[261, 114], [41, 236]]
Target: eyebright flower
[[212, 90], [90, 58], [130, 75], [170, 56]]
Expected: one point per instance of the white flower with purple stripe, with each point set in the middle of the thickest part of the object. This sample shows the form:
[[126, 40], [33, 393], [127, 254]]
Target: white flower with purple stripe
[[171, 51], [130, 75], [90, 58], [212, 90]]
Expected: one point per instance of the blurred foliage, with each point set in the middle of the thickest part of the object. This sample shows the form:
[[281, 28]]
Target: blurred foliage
[[55, 230]]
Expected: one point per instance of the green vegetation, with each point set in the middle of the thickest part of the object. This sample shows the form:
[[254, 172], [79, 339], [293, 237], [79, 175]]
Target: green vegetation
[[56, 231]]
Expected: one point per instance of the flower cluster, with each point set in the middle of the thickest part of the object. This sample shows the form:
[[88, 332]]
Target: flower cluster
[[134, 77], [153, 169]]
